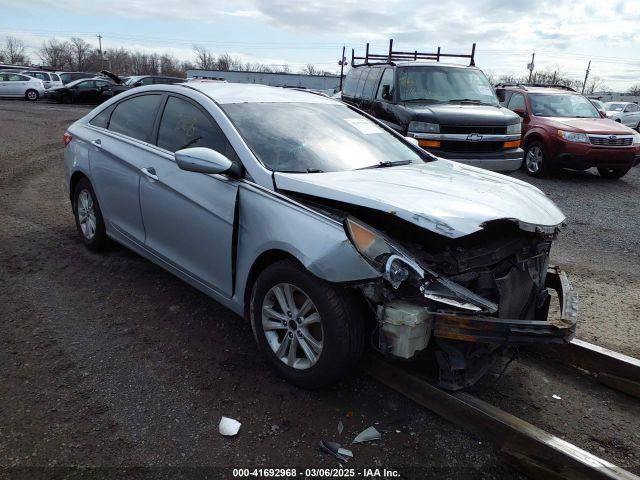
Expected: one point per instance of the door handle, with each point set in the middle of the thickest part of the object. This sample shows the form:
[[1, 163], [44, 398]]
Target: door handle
[[97, 143], [150, 172]]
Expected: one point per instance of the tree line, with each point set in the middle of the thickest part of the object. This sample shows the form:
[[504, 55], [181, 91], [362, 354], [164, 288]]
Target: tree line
[[76, 54]]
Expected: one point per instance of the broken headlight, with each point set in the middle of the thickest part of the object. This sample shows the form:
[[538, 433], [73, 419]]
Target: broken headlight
[[398, 266], [381, 253]]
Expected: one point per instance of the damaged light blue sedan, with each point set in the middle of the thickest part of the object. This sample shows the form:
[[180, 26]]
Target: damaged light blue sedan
[[327, 230]]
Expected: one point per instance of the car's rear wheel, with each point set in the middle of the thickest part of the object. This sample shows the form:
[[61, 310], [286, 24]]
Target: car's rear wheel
[[89, 221], [536, 162], [311, 331], [612, 173], [32, 95]]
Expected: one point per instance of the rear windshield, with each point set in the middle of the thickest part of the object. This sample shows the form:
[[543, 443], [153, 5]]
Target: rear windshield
[[445, 85], [316, 137], [562, 105]]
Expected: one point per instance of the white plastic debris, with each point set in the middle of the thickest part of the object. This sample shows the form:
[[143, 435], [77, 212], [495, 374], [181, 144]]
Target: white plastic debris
[[345, 453], [557, 397], [228, 427], [368, 435], [340, 427]]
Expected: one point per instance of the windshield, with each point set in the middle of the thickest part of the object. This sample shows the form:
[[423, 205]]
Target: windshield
[[316, 137], [562, 105], [614, 107], [445, 85]]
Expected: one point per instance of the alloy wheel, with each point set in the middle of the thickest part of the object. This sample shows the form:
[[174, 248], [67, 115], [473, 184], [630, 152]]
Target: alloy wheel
[[31, 95], [292, 326], [534, 159], [86, 214]]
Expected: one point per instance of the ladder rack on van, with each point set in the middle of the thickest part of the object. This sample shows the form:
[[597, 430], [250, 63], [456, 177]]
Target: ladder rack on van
[[397, 56]]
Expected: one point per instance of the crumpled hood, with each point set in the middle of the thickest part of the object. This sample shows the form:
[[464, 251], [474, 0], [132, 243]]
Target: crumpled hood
[[441, 196]]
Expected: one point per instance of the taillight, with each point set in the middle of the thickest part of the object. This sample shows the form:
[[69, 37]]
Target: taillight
[[66, 138]]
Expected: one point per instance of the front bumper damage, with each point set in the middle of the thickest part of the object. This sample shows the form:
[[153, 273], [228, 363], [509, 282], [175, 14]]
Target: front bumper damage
[[485, 329]]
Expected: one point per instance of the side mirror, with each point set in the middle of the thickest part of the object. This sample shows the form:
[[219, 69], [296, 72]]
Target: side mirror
[[386, 92], [205, 160], [520, 111]]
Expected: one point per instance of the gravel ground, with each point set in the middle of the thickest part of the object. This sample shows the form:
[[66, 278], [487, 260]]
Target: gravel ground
[[107, 361]]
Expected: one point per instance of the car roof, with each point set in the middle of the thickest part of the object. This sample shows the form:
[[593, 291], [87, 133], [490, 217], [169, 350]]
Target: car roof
[[529, 89], [226, 93]]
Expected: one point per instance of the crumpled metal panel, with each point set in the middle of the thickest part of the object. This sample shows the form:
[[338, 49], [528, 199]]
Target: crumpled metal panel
[[441, 196]]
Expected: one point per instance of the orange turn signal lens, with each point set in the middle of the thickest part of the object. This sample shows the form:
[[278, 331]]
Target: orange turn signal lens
[[429, 143], [512, 144]]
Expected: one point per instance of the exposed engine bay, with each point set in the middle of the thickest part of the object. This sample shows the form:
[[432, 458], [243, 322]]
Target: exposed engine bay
[[469, 299]]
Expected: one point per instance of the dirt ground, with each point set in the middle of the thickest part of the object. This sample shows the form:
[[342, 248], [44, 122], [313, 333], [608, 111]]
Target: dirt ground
[[108, 362]]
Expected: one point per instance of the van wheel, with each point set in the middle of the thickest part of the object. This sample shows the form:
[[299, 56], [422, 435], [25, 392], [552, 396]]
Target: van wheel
[[612, 173], [32, 95], [89, 221], [536, 162], [312, 332]]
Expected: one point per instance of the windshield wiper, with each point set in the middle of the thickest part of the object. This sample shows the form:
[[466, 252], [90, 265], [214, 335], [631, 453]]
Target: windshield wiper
[[308, 170], [431, 100], [387, 164], [469, 100]]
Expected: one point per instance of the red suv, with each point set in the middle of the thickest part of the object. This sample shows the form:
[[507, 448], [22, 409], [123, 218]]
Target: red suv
[[561, 128]]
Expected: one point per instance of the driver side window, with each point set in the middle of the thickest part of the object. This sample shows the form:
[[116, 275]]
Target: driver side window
[[387, 79], [516, 102], [184, 125]]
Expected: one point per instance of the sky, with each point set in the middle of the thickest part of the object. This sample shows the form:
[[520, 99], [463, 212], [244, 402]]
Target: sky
[[564, 34]]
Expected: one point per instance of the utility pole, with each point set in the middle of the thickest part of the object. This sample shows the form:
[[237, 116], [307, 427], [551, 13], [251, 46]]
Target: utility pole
[[341, 63], [531, 65], [586, 75], [100, 49]]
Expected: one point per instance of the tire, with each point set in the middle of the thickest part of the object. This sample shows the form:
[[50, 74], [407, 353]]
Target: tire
[[536, 161], [31, 95], [339, 330], [89, 221], [612, 173]]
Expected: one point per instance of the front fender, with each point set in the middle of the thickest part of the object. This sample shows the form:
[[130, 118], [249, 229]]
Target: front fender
[[270, 221]]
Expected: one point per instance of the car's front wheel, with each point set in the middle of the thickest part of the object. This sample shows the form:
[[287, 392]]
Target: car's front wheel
[[311, 331], [536, 161], [612, 173], [89, 221], [32, 95]]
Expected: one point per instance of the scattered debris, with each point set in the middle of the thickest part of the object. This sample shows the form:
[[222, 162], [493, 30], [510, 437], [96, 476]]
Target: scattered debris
[[340, 427], [335, 449], [228, 427], [557, 397], [368, 435]]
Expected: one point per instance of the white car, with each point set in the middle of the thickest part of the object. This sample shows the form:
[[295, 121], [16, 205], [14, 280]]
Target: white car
[[49, 79], [626, 113], [20, 85]]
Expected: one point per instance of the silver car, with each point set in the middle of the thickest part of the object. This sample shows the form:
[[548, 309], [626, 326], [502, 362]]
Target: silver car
[[626, 113], [21, 86], [324, 228], [49, 79]]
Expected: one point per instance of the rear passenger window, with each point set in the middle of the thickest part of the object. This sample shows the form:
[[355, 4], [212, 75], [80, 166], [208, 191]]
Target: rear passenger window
[[351, 82], [55, 77], [134, 117], [184, 125], [370, 84], [387, 79], [363, 78], [102, 119]]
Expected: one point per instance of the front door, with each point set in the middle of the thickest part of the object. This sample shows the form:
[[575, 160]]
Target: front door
[[188, 216]]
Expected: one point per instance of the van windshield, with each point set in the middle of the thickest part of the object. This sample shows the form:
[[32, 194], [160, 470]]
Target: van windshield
[[445, 85]]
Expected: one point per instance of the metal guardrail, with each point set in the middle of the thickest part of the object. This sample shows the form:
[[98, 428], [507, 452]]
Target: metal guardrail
[[531, 450]]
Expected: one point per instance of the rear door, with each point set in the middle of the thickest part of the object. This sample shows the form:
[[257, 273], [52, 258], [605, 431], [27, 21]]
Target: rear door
[[17, 85], [85, 91], [188, 216], [121, 146]]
